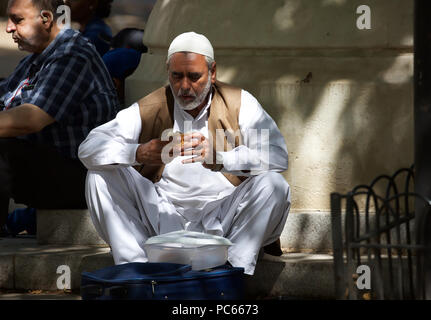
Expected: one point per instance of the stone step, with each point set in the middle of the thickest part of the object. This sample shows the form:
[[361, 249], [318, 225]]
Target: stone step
[[303, 230], [27, 265], [24, 264], [292, 276], [67, 227]]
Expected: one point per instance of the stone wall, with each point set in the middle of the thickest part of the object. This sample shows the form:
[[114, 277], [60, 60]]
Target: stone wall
[[342, 97]]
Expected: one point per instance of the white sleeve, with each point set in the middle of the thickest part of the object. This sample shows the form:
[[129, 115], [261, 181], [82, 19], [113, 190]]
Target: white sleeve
[[113, 143], [264, 148]]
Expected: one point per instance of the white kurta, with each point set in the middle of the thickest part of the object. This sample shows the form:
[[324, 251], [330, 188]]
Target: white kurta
[[127, 208]]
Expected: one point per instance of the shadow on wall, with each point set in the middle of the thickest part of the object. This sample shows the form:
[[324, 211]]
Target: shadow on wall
[[346, 111]]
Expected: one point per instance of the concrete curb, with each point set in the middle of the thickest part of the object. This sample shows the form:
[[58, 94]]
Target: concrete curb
[[69, 227], [25, 265]]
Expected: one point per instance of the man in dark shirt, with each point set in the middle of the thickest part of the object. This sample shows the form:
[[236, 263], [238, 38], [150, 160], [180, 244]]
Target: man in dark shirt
[[48, 105]]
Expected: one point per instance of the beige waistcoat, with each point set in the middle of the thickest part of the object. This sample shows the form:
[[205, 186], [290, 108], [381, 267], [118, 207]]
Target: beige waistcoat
[[157, 115]]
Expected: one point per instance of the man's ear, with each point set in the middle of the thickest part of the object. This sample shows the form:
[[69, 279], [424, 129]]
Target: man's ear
[[47, 17], [213, 72]]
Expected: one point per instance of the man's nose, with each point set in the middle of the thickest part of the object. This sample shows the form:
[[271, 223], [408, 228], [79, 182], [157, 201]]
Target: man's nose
[[10, 26], [185, 84]]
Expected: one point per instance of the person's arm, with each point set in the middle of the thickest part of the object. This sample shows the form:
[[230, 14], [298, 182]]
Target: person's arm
[[52, 99], [264, 146], [22, 120], [113, 143]]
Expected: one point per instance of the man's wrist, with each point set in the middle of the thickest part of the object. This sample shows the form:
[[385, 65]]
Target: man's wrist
[[137, 159]]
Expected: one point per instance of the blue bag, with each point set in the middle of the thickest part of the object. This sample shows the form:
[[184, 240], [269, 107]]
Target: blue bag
[[161, 281], [23, 219]]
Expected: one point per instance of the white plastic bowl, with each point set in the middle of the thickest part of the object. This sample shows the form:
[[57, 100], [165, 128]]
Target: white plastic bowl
[[199, 257]]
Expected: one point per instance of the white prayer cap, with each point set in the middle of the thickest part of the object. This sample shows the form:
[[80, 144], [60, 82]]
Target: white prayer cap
[[191, 42]]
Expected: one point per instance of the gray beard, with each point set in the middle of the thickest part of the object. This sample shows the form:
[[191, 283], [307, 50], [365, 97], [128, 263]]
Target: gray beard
[[198, 100]]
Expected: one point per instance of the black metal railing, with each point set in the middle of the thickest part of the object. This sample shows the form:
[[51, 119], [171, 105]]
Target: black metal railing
[[381, 249]]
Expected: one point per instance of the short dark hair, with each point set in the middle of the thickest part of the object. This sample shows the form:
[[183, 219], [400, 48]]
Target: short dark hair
[[50, 5], [103, 9]]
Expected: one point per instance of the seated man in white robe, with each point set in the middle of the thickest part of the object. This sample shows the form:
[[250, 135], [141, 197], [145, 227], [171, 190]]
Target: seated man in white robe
[[223, 178]]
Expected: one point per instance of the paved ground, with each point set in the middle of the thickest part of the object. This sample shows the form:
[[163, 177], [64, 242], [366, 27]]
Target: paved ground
[[38, 295]]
